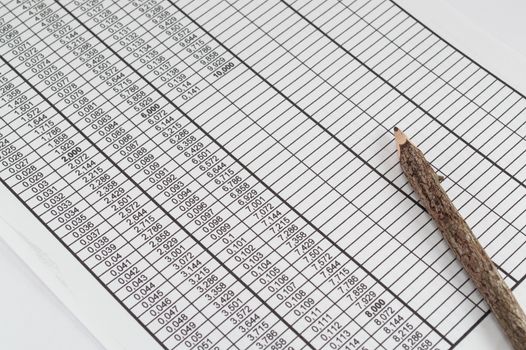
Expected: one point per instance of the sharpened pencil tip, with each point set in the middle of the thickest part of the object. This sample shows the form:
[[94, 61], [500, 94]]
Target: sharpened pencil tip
[[400, 137]]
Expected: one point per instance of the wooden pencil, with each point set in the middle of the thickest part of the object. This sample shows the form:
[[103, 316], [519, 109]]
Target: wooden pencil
[[462, 241]]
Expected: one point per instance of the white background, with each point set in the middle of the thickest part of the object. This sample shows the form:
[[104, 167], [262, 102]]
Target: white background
[[491, 32]]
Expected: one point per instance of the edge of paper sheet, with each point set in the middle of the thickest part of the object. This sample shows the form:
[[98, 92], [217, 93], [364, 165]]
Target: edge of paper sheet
[[481, 46], [69, 281]]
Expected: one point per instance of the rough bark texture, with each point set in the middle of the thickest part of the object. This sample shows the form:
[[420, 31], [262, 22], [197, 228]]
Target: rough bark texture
[[464, 244]]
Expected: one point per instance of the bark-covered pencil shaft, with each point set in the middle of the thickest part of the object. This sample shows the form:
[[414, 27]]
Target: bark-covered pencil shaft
[[461, 240]]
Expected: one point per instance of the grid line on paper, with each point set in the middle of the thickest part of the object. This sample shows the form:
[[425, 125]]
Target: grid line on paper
[[512, 278], [411, 198], [365, 162], [443, 125], [270, 189], [279, 317], [515, 91]]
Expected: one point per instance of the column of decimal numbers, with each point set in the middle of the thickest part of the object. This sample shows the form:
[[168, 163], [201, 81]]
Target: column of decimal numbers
[[48, 165], [151, 24], [170, 158], [314, 301], [68, 204], [199, 39], [170, 257]]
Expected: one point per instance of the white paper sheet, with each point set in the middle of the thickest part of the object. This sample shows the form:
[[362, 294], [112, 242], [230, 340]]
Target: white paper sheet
[[247, 192]]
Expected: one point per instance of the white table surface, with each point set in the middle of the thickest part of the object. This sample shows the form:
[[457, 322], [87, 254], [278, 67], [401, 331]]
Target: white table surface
[[31, 317]]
